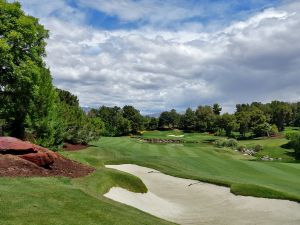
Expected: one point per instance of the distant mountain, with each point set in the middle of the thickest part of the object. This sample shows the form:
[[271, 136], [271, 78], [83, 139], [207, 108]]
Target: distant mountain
[[155, 115], [86, 109]]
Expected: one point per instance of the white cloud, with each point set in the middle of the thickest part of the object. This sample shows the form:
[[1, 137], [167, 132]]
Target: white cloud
[[253, 60], [147, 10]]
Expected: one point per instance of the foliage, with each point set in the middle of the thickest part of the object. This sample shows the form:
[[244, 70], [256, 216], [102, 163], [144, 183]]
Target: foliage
[[241, 148], [274, 130], [294, 138], [169, 120], [243, 120], [119, 121], [258, 148], [205, 118], [217, 109], [258, 123], [135, 118], [150, 123], [23, 73], [188, 120], [228, 123], [232, 143]]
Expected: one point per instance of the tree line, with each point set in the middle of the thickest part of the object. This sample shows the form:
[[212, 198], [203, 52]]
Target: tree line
[[31, 107], [256, 118]]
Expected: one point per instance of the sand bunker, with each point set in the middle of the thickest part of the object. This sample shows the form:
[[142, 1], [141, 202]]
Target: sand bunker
[[172, 198], [172, 135]]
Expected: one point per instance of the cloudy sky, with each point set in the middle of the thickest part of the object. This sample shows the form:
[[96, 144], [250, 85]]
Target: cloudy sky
[[163, 54]]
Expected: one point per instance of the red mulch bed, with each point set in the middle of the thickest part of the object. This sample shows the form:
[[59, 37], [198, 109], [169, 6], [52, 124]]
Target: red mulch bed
[[76, 147], [24, 159], [13, 166]]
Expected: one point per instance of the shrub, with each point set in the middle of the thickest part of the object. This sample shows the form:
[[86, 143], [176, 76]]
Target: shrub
[[290, 134], [274, 130], [257, 148], [219, 143], [294, 142], [241, 148], [232, 143]]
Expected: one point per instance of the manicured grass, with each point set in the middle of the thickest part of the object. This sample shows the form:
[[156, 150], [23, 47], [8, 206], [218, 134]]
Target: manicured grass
[[80, 201], [273, 147], [188, 137], [258, 191], [61, 201], [198, 161]]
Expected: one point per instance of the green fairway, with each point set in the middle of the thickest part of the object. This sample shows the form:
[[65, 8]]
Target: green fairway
[[180, 135], [80, 201], [201, 162]]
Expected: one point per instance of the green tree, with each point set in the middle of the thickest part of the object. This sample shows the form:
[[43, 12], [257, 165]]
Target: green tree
[[217, 109], [150, 123], [75, 126], [274, 130], [165, 120], [188, 122], [115, 123], [228, 123], [153, 125], [174, 118], [135, 118], [281, 114], [259, 124], [205, 118], [295, 143], [22, 48], [243, 121]]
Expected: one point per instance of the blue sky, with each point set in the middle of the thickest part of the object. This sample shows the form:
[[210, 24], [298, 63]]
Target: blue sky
[[158, 55], [117, 16], [221, 12]]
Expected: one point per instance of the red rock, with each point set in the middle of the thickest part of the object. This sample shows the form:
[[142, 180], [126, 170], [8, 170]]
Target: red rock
[[38, 155], [40, 158], [11, 143]]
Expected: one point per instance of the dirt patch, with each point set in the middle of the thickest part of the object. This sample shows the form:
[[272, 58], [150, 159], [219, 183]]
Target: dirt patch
[[13, 166], [76, 147], [22, 158]]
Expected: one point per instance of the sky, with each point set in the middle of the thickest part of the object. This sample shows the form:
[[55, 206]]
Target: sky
[[162, 54]]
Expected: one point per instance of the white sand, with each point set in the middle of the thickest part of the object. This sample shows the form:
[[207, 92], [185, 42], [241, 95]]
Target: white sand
[[172, 135], [172, 199]]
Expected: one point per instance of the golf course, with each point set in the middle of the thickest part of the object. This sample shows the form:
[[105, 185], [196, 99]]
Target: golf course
[[60, 200], [140, 112]]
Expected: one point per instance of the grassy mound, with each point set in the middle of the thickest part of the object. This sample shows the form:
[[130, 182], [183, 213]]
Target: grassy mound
[[262, 192]]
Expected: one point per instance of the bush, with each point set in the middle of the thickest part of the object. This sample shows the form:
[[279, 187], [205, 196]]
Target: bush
[[219, 143], [274, 130], [232, 143], [294, 142], [241, 148], [257, 148], [290, 134]]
